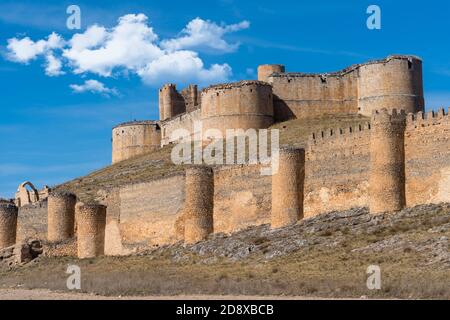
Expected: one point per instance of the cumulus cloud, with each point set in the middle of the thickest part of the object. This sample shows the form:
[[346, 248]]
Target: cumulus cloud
[[53, 66], [25, 50], [132, 46], [185, 66], [93, 86], [203, 35]]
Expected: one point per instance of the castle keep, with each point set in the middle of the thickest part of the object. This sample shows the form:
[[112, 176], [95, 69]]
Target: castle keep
[[397, 156]]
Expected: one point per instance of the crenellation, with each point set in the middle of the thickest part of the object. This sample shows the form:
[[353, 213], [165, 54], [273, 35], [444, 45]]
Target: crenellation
[[430, 118]]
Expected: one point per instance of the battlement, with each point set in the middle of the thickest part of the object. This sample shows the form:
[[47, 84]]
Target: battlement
[[233, 85], [350, 69], [339, 133], [425, 119], [139, 123], [169, 86], [385, 116]]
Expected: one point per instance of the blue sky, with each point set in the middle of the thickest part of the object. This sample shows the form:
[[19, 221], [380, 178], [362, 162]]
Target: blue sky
[[50, 132]]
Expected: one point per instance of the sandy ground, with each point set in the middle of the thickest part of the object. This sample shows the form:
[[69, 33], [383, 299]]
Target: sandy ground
[[42, 294]]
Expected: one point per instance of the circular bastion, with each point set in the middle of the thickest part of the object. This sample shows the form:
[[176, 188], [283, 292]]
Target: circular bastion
[[239, 105], [393, 83], [131, 139]]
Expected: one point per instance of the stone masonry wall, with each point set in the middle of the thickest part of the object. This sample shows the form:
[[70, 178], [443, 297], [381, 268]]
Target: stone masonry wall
[[427, 150], [183, 121], [337, 170]]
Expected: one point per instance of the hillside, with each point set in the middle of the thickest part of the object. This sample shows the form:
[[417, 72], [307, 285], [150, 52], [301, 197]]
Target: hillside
[[158, 164], [324, 256]]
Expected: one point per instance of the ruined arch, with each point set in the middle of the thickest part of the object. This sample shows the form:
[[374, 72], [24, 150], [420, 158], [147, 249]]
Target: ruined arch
[[25, 196]]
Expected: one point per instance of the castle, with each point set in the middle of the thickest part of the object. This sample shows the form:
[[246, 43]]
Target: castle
[[400, 157], [277, 96]]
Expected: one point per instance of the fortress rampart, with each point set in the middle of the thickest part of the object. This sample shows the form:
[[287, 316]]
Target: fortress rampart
[[392, 83], [397, 159], [337, 177]]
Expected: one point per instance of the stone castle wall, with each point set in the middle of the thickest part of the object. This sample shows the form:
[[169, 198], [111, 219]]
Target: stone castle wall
[[337, 171], [395, 82], [184, 121], [427, 153]]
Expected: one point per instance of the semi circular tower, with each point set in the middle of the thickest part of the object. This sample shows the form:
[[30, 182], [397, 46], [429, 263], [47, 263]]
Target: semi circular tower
[[61, 216], [394, 83], [387, 162], [288, 188], [265, 70], [91, 223], [134, 138], [198, 209], [8, 224], [239, 105]]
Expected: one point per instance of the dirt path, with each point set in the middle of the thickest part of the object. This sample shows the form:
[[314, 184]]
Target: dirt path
[[42, 294]]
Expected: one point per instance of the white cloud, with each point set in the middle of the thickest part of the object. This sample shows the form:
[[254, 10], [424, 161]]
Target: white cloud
[[182, 65], [129, 45], [93, 86], [25, 50], [202, 35], [132, 47], [53, 66]]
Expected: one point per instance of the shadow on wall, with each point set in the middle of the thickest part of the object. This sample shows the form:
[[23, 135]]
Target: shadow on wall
[[282, 112]]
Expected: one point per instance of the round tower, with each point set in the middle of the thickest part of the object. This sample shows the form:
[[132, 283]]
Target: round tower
[[394, 83], [288, 188], [135, 138], [239, 105], [8, 224], [91, 223], [198, 209], [61, 216], [387, 161], [265, 70]]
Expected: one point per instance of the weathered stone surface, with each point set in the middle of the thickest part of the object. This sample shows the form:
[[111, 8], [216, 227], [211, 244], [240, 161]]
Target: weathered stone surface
[[20, 253]]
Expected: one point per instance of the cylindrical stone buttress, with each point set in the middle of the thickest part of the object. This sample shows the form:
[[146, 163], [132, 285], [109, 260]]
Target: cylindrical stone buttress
[[61, 216], [91, 223], [8, 224], [387, 162], [199, 203], [288, 188]]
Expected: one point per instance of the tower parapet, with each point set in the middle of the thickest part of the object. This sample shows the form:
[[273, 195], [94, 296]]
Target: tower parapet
[[265, 70], [387, 161], [171, 102]]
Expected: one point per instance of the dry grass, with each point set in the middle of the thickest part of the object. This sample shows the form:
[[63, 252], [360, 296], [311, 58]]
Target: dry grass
[[318, 270], [328, 273]]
